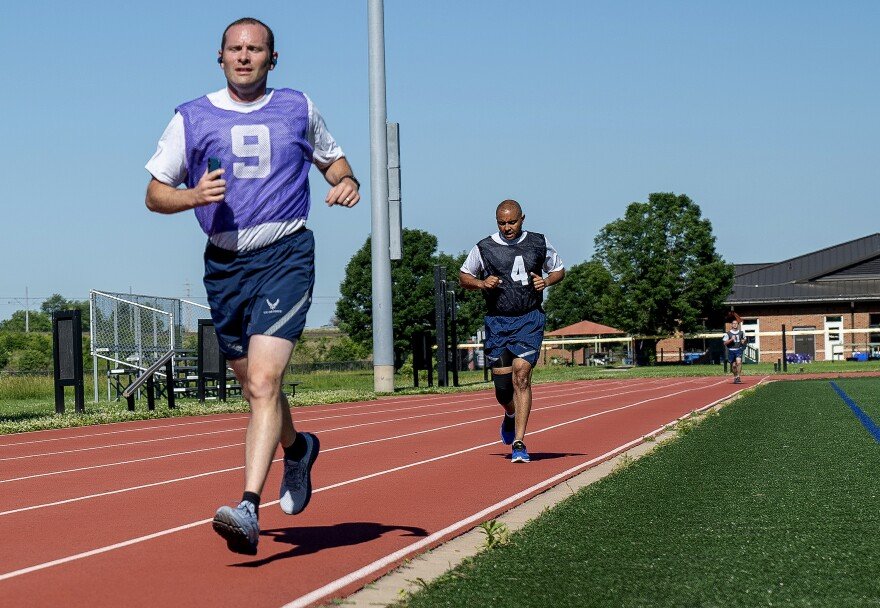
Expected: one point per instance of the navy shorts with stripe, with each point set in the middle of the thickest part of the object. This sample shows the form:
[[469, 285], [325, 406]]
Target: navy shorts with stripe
[[733, 354], [520, 335], [267, 291]]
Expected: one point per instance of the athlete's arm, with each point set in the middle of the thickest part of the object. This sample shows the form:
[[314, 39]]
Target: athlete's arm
[[541, 283], [469, 281], [163, 198], [344, 191]]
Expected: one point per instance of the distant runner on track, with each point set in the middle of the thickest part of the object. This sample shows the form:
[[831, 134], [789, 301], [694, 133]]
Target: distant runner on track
[[508, 267], [244, 153], [735, 340]]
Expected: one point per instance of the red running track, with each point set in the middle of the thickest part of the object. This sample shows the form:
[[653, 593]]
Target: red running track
[[120, 514]]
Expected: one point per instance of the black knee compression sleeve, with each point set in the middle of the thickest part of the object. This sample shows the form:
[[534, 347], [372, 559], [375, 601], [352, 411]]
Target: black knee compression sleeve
[[503, 387], [504, 382]]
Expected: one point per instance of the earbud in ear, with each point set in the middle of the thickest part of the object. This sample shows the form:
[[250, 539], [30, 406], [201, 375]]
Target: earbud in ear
[[219, 59], [274, 61]]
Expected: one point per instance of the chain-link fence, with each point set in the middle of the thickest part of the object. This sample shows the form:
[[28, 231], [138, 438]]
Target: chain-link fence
[[133, 331]]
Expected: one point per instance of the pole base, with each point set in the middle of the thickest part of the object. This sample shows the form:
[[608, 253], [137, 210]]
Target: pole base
[[383, 378]]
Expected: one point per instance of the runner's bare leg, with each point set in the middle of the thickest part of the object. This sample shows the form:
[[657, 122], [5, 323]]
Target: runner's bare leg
[[260, 375]]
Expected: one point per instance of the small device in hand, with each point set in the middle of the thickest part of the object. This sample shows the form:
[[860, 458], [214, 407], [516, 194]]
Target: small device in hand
[[213, 164]]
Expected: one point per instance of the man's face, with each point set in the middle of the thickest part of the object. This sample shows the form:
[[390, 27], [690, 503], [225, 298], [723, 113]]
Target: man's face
[[734, 325], [510, 222], [246, 59]]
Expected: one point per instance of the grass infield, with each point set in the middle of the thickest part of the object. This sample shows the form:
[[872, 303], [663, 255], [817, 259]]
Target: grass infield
[[771, 502]]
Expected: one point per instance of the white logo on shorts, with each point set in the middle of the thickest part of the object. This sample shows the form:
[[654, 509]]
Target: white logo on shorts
[[273, 307]]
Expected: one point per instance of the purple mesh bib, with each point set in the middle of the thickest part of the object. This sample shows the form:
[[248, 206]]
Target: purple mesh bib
[[266, 154]]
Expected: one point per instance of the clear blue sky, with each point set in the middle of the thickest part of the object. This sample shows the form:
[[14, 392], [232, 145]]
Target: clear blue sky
[[764, 113]]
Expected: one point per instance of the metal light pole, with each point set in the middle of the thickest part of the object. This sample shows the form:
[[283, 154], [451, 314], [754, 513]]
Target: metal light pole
[[383, 333]]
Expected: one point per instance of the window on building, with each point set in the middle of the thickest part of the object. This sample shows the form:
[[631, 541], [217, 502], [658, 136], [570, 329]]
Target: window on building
[[874, 323]]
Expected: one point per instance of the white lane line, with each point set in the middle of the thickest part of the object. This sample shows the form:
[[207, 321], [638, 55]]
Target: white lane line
[[120, 463], [122, 445], [102, 434], [323, 431], [442, 399], [235, 429]]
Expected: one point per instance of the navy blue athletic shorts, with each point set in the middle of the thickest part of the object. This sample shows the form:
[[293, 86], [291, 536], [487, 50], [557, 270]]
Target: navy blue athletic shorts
[[520, 335], [266, 291], [733, 354]]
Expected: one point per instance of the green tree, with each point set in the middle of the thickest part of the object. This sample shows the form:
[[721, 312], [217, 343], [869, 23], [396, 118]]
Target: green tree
[[661, 257], [21, 319], [34, 361], [346, 349], [412, 300], [412, 279], [587, 293], [58, 302], [54, 302]]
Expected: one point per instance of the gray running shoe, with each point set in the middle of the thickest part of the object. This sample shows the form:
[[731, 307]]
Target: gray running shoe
[[296, 483], [239, 526]]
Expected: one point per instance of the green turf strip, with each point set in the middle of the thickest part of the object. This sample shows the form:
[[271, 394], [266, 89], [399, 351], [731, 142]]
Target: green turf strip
[[773, 502]]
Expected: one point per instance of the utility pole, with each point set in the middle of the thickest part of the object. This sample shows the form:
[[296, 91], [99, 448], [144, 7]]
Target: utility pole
[[383, 331], [27, 309]]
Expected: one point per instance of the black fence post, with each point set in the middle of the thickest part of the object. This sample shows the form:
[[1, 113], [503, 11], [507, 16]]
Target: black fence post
[[440, 314], [169, 382], [151, 392], [211, 362], [67, 358], [416, 346], [453, 332]]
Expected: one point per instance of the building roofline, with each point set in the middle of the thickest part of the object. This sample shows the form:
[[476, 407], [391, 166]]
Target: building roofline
[[812, 253]]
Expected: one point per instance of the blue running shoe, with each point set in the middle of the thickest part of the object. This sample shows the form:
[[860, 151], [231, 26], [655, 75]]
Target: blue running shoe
[[296, 483], [519, 453], [239, 526], [508, 429]]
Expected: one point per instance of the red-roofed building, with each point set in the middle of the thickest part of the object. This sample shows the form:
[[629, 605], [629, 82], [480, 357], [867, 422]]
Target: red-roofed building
[[584, 329], [581, 329]]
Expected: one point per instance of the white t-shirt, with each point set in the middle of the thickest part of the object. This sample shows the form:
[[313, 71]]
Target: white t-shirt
[[168, 164], [474, 266]]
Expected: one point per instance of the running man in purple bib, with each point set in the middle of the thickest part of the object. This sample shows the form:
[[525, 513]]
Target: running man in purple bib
[[244, 153]]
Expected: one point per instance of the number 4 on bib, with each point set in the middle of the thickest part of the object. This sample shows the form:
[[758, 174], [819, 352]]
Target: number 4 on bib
[[519, 271]]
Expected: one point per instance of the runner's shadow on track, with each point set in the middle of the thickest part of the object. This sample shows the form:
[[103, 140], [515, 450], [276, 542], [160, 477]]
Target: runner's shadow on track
[[315, 538], [544, 455]]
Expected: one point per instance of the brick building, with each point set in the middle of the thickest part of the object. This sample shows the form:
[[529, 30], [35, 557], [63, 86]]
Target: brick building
[[828, 300]]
